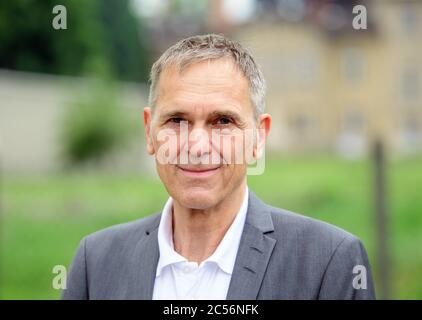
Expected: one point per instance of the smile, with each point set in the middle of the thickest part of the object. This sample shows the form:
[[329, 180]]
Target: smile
[[198, 171]]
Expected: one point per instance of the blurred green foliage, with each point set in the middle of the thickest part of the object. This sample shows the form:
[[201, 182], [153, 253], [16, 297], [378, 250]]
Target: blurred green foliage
[[104, 30], [95, 124], [46, 217]]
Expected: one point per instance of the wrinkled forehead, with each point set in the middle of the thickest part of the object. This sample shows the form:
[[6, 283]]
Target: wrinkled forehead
[[209, 82]]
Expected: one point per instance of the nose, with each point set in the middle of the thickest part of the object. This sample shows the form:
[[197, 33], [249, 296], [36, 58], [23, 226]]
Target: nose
[[199, 143]]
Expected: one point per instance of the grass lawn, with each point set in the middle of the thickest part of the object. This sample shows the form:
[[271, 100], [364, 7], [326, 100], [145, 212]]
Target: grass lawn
[[44, 218]]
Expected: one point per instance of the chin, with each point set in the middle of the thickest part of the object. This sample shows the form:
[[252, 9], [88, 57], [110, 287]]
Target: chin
[[197, 199]]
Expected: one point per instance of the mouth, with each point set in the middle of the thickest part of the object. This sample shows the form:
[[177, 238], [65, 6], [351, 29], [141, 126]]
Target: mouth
[[198, 171]]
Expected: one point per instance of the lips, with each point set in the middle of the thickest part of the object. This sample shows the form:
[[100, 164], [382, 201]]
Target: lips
[[197, 171]]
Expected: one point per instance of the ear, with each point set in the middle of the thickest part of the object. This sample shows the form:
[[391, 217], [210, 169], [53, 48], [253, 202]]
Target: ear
[[147, 127], [264, 126]]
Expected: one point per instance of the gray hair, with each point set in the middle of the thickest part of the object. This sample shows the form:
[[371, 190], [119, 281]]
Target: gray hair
[[211, 47]]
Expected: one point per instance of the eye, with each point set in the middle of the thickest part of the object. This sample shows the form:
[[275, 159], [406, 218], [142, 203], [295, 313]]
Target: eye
[[176, 120], [224, 121]]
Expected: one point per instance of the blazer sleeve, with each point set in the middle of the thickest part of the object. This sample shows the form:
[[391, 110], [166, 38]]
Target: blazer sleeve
[[76, 285], [348, 274]]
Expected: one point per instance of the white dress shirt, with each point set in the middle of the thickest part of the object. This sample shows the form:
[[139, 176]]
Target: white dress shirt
[[178, 278]]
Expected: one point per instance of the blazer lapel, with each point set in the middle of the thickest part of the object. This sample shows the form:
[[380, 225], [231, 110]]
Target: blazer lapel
[[145, 260], [253, 255], [254, 252]]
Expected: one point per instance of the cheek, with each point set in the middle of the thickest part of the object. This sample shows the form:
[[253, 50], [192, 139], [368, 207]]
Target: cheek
[[233, 149], [166, 173], [166, 145], [233, 173]]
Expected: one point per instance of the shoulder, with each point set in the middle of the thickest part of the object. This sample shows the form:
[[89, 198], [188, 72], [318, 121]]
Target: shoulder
[[129, 232], [315, 248], [106, 256], [310, 232]]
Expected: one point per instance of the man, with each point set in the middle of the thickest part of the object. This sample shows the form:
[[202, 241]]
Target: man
[[214, 238]]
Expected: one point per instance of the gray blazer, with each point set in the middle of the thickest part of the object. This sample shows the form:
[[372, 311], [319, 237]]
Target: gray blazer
[[282, 255]]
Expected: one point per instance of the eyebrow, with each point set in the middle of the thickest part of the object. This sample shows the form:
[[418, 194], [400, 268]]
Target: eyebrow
[[172, 114], [228, 114], [215, 114]]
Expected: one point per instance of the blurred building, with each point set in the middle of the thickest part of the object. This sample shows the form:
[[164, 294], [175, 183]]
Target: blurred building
[[330, 87], [32, 110]]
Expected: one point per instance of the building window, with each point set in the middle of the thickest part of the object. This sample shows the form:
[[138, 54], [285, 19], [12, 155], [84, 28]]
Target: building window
[[410, 83], [307, 68], [351, 141], [409, 20], [352, 64], [354, 122], [303, 125], [412, 132]]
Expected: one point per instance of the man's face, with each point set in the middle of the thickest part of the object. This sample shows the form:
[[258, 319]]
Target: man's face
[[197, 132]]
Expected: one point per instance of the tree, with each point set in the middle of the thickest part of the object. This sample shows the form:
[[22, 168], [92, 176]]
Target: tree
[[97, 31]]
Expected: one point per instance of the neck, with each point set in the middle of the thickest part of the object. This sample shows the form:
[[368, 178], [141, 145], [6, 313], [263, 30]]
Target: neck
[[197, 233]]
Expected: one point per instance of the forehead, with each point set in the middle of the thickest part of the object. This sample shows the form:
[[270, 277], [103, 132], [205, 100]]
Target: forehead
[[208, 83]]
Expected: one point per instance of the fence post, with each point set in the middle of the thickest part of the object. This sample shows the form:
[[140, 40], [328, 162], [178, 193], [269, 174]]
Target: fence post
[[381, 218]]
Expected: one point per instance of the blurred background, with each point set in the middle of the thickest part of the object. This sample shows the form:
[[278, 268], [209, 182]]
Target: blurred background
[[345, 146]]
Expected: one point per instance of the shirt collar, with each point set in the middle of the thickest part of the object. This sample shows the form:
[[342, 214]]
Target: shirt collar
[[225, 254]]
